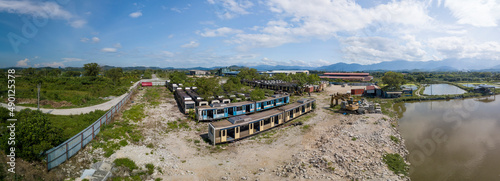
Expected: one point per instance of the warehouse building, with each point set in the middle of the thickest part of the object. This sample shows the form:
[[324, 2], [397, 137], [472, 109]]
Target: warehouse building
[[363, 77]]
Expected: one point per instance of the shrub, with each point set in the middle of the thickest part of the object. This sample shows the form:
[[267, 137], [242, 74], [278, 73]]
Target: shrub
[[126, 162], [150, 168], [396, 163], [34, 134], [123, 143], [395, 139]]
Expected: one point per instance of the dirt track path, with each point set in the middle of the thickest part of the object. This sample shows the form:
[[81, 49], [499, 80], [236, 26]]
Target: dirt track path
[[82, 110]]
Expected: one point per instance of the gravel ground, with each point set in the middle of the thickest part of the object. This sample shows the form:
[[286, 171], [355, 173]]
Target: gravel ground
[[332, 147]]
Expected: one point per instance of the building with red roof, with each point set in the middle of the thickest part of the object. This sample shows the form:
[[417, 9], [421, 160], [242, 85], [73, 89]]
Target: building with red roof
[[364, 77]]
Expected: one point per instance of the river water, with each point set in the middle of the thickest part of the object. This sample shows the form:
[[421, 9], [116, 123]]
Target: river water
[[452, 140]]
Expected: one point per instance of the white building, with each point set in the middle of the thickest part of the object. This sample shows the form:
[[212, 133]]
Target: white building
[[287, 72]]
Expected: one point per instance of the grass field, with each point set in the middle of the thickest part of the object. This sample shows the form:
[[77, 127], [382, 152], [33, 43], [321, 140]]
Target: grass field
[[73, 124], [65, 92]]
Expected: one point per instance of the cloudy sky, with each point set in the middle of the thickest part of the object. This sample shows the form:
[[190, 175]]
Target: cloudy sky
[[210, 33]]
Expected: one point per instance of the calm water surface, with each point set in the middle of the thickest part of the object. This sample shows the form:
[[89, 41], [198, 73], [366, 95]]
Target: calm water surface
[[442, 89], [452, 140]]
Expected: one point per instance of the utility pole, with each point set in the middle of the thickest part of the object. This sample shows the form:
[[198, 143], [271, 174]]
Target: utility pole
[[38, 86]]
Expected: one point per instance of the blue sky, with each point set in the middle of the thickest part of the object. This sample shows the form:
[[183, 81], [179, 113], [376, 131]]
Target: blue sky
[[189, 33]]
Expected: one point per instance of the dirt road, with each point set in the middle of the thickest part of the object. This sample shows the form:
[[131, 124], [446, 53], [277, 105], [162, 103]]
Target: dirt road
[[82, 110]]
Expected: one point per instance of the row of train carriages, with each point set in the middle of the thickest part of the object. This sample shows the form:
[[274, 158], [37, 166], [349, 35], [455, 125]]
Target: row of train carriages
[[237, 120]]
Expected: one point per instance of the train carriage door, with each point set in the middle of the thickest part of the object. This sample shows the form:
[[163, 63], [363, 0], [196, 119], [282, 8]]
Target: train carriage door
[[250, 128], [236, 132], [303, 109], [261, 125], [223, 135], [204, 114], [280, 118], [225, 112]]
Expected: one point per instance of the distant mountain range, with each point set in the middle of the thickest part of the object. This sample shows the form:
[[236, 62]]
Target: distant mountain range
[[447, 65], [397, 65]]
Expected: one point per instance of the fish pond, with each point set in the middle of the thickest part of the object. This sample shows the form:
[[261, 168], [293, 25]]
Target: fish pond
[[452, 140], [443, 89]]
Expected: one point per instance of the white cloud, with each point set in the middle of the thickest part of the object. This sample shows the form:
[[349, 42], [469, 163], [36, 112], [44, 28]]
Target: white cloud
[[484, 13], [167, 53], [96, 39], [135, 14], [231, 8], [220, 32], [41, 9], [84, 39], [109, 50], [117, 45], [72, 59], [171, 36], [78, 23], [191, 44], [367, 50], [324, 19], [51, 64], [249, 41], [461, 47], [309, 63], [22, 63], [176, 10]]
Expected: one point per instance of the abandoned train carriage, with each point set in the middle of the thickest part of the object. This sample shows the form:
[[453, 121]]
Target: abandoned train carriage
[[220, 110], [197, 98], [185, 102], [243, 126]]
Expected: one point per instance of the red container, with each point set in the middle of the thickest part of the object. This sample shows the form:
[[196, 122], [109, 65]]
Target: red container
[[357, 91], [147, 84]]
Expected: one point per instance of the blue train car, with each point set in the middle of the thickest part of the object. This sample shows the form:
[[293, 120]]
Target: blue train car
[[217, 111], [274, 101]]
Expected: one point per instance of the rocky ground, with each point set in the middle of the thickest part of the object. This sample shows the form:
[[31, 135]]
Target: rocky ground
[[328, 146]]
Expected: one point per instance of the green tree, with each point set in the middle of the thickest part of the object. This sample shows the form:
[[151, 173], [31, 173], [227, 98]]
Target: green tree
[[233, 84], [28, 72], [177, 77], [34, 134], [91, 69], [283, 77], [313, 79], [55, 72], [115, 74], [420, 78], [300, 79], [208, 87], [257, 94], [248, 74], [71, 73], [410, 78], [393, 80]]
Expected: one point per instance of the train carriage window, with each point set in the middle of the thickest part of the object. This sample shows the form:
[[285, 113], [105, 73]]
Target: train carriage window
[[267, 121], [239, 108], [189, 106], [244, 128], [220, 111]]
